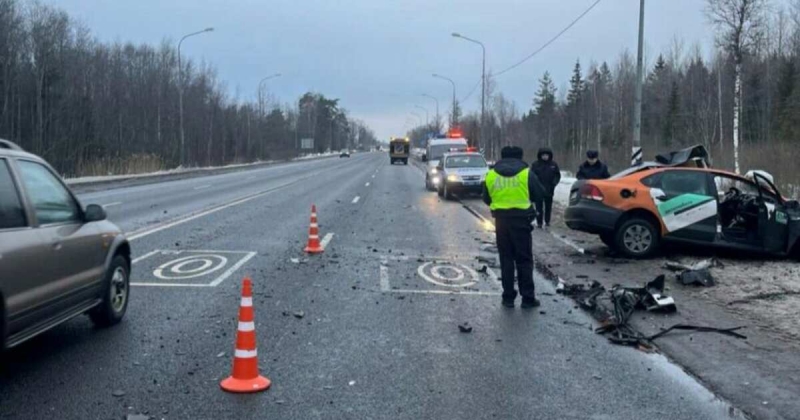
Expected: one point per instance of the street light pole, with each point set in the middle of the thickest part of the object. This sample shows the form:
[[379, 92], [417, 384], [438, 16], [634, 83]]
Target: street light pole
[[453, 121], [636, 152], [427, 116], [260, 88], [180, 91], [483, 82], [437, 108], [416, 114], [260, 112]]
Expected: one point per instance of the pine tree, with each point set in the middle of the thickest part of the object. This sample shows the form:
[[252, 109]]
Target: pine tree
[[545, 106]]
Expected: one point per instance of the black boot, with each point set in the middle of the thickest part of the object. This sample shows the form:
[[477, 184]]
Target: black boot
[[530, 303], [508, 303]]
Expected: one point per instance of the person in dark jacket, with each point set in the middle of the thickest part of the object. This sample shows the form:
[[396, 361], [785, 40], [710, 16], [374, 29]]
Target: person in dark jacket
[[549, 174], [509, 189], [593, 168]]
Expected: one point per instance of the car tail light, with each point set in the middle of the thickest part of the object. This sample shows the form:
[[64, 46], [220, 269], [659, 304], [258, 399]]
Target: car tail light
[[591, 192]]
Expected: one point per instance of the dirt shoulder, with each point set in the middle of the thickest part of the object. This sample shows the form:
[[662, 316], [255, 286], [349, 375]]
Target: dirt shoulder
[[760, 375]]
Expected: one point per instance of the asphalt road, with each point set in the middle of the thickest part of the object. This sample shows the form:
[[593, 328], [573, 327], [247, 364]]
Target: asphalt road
[[378, 337]]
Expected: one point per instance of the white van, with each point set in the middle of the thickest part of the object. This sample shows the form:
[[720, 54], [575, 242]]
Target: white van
[[434, 152]]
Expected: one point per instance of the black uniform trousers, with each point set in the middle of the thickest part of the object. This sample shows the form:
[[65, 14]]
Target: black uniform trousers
[[544, 209], [516, 252]]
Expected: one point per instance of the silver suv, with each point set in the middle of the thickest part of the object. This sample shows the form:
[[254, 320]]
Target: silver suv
[[58, 260]]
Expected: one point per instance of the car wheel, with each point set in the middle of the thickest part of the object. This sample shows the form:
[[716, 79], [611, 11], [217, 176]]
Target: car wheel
[[115, 294], [637, 238], [440, 191], [447, 194]]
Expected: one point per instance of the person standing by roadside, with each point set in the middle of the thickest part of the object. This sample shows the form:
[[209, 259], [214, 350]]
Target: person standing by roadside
[[593, 168], [549, 174], [509, 189]]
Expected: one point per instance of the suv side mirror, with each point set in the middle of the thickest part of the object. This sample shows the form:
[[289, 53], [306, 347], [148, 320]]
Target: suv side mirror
[[424, 157], [94, 213]]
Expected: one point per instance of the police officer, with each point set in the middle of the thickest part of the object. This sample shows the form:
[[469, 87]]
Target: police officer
[[593, 168], [509, 189]]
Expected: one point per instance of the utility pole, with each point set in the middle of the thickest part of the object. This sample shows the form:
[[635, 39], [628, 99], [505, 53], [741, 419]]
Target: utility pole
[[453, 121], [437, 108], [636, 152]]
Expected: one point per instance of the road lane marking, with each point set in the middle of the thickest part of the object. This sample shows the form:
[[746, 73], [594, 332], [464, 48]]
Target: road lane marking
[[355, 200], [250, 178], [385, 277], [116, 203], [367, 184], [233, 268], [567, 242], [326, 240], [149, 254], [202, 187]]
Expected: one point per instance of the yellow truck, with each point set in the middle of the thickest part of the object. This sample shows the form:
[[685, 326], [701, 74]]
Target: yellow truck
[[399, 150]]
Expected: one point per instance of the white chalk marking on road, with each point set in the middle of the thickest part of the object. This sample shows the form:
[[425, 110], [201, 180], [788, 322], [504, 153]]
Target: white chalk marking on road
[[438, 279], [202, 187], [149, 254], [231, 270], [326, 240], [116, 203], [355, 200], [567, 242]]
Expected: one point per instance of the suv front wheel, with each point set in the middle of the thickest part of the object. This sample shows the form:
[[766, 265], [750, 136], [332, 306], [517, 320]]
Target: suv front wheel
[[115, 294]]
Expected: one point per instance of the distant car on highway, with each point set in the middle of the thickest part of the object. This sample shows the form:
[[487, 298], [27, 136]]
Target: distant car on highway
[[681, 200], [58, 259], [344, 154], [433, 154], [461, 174]]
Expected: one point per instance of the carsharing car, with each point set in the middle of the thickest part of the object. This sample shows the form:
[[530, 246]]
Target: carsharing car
[[679, 199], [58, 259], [461, 174]]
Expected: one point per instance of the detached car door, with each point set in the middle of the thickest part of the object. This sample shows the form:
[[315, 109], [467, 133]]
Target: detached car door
[[76, 255]]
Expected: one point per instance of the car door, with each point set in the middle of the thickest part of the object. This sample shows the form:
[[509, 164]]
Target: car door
[[685, 204], [75, 256], [22, 247], [773, 219]]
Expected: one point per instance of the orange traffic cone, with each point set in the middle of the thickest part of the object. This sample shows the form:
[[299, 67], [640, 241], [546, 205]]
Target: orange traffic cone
[[245, 377], [314, 247]]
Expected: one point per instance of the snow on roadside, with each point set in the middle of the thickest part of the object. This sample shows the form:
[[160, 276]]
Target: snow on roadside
[[561, 195], [181, 170]]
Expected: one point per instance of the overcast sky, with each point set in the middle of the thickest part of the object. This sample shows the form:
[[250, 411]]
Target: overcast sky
[[377, 56]]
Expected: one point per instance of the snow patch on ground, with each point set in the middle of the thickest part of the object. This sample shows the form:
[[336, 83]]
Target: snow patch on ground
[[561, 195]]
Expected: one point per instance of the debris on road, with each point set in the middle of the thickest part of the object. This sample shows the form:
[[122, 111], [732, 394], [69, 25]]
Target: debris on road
[[118, 393], [698, 273], [137, 417], [299, 314], [585, 295], [697, 277], [483, 270], [465, 328]]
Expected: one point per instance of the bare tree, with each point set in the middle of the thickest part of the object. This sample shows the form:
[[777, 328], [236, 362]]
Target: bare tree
[[740, 25]]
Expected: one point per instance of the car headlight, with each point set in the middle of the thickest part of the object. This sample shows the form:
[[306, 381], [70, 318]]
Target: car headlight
[[453, 178], [434, 171]]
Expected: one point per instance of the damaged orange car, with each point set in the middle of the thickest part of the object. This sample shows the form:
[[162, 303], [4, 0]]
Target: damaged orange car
[[679, 199]]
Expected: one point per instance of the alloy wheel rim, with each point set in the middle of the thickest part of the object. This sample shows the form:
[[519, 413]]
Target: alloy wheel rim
[[119, 289], [637, 239]]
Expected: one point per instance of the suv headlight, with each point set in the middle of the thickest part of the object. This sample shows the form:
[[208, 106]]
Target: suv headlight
[[453, 178], [434, 171]]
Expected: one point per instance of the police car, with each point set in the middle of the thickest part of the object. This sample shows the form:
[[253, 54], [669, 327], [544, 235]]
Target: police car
[[461, 173]]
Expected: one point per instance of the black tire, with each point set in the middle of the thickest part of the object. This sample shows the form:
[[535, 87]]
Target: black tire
[[637, 238], [440, 191], [446, 193], [608, 240], [116, 294]]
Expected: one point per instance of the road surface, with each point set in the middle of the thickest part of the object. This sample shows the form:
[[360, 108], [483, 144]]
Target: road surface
[[369, 329]]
